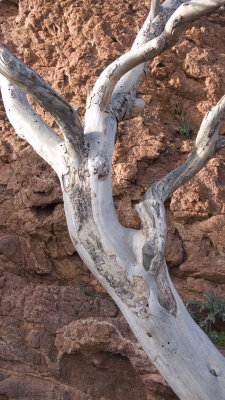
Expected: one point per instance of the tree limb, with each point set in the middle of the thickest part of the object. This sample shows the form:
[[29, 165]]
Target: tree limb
[[189, 12], [186, 13], [207, 144], [28, 124], [151, 207], [126, 87], [101, 128], [105, 85], [155, 6], [28, 80], [129, 263]]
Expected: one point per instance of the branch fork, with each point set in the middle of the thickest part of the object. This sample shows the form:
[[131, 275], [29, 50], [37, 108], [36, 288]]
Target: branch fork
[[130, 264]]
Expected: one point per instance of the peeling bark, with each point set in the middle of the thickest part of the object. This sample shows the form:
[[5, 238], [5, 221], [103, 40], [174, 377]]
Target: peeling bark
[[129, 263]]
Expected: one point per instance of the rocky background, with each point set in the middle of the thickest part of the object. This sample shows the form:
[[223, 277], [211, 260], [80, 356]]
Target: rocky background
[[62, 338]]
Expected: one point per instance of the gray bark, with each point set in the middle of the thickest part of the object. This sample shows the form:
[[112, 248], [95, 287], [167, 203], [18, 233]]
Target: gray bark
[[130, 264]]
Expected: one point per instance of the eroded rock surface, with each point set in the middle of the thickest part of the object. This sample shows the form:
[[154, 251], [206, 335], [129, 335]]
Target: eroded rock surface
[[61, 336]]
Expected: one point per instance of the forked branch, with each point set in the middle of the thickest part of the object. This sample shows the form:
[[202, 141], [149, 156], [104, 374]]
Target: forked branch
[[126, 87], [129, 263], [151, 207], [180, 19]]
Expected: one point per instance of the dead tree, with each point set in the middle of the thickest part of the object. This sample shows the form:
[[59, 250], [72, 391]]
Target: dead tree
[[130, 264]]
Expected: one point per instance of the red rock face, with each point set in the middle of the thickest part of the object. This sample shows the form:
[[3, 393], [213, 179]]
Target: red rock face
[[61, 336]]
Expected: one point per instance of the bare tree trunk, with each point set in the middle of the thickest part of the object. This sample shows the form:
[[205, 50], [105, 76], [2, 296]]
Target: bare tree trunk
[[130, 264]]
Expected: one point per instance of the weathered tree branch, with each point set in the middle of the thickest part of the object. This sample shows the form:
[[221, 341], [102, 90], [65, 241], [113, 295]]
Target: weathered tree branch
[[28, 124], [207, 144], [189, 12], [124, 101], [155, 6], [180, 19], [106, 127], [107, 81], [28, 80], [151, 208], [130, 264]]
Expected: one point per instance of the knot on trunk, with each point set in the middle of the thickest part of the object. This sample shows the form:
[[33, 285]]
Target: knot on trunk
[[100, 166]]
